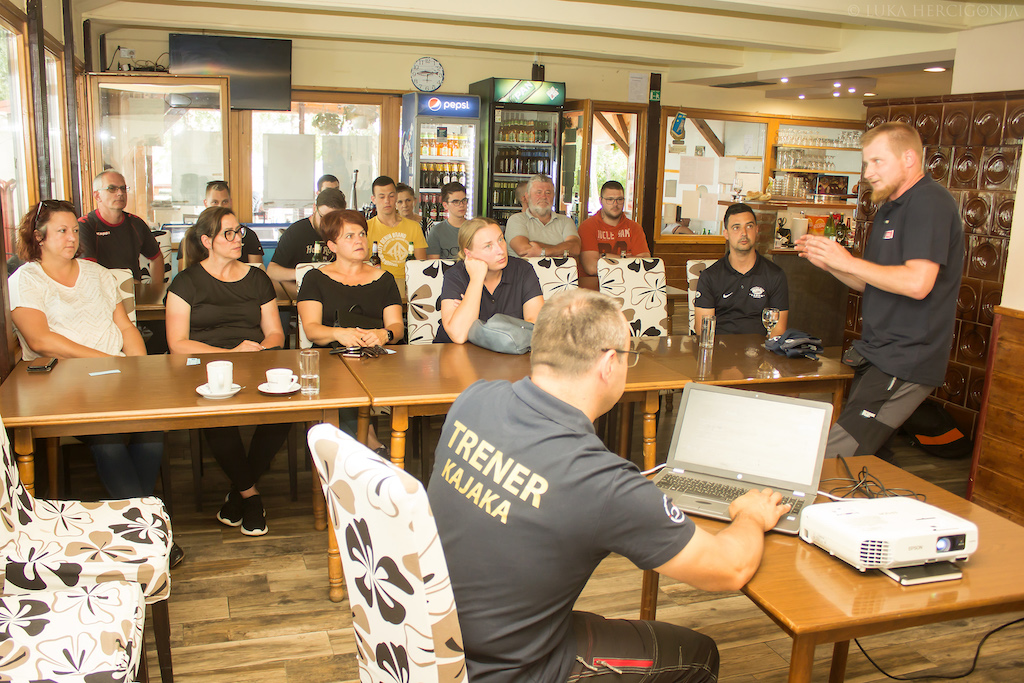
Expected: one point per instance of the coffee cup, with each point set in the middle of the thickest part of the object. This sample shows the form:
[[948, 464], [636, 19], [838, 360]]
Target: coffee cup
[[281, 378], [219, 376]]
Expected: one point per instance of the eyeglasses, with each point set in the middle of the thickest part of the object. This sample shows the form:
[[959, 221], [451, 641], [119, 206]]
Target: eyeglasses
[[52, 205], [614, 200], [230, 234], [632, 357], [115, 188], [459, 202]]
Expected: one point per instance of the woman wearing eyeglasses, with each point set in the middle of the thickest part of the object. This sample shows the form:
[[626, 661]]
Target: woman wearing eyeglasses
[[66, 307], [220, 304]]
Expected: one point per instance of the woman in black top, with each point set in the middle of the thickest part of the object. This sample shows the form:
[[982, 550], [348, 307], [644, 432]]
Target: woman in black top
[[220, 304], [349, 301]]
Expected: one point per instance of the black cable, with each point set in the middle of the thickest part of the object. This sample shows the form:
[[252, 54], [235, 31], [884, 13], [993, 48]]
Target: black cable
[[116, 52], [866, 484], [974, 664]]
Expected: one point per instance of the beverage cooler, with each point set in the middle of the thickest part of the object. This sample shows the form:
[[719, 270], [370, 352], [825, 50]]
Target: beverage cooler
[[439, 145], [520, 133]]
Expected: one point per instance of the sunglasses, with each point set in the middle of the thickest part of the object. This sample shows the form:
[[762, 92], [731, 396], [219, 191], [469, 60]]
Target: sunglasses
[[51, 205]]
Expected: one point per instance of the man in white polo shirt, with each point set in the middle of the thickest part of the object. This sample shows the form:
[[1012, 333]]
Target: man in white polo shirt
[[540, 231]]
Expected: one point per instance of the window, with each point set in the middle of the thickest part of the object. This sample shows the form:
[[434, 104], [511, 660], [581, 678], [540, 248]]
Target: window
[[13, 179], [55, 121], [291, 150]]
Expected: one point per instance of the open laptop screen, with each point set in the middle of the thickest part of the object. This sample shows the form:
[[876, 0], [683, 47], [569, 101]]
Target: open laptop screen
[[727, 431]]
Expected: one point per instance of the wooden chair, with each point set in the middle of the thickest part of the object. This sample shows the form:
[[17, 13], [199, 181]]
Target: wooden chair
[[423, 280], [83, 633], [639, 286], [374, 505], [693, 270], [556, 273], [58, 544]]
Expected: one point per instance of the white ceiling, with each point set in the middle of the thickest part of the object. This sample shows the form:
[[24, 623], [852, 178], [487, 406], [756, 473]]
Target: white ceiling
[[708, 42]]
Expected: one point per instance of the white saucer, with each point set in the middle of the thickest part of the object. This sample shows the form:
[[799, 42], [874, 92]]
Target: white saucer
[[204, 391], [268, 388]]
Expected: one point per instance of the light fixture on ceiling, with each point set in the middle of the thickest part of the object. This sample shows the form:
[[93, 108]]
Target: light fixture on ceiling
[[851, 90], [870, 94], [783, 80], [835, 94], [801, 97], [837, 84], [935, 69]]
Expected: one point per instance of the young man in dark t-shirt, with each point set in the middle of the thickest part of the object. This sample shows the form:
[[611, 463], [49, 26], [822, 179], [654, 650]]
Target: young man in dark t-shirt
[[298, 242], [528, 501], [219, 194], [111, 236], [739, 286], [910, 276]]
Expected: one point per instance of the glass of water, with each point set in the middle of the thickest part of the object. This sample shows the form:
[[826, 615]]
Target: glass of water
[[309, 372]]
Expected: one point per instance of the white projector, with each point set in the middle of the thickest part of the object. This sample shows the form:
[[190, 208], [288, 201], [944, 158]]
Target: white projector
[[871, 533]]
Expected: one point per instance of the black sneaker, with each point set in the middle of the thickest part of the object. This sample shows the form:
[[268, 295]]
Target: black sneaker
[[176, 555], [254, 517], [231, 511]]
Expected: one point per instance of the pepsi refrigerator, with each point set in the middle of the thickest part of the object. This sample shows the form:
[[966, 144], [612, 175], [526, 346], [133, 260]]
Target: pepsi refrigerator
[[439, 145], [520, 135]]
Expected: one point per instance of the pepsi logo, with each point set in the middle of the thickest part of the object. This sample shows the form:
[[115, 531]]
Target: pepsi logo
[[434, 104]]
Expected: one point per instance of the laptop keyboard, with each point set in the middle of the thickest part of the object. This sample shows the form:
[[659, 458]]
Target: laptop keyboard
[[719, 491]]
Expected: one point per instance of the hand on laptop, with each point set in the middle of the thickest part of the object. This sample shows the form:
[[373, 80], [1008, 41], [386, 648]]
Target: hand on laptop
[[763, 506]]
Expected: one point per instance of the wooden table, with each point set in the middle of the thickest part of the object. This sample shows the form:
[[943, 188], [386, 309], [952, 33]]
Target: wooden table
[[425, 379], [818, 599], [158, 393]]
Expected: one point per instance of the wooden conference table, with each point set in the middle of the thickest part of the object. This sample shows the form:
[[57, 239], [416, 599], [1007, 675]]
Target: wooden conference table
[[818, 599]]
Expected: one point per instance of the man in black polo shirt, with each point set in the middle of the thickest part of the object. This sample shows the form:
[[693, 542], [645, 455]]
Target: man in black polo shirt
[[111, 236], [528, 502], [298, 242], [741, 284], [910, 276], [219, 194]]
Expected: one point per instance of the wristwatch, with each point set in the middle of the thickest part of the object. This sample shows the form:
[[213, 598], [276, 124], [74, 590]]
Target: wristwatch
[[391, 336], [543, 252]]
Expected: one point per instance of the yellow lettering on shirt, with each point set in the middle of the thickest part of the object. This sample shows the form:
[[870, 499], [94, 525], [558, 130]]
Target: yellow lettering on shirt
[[469, 439], [534, 489], [474, 493], [459, 428], [499, 465], [502, 511], [446, 472], [480, 454], [516, 479], [466, 487]]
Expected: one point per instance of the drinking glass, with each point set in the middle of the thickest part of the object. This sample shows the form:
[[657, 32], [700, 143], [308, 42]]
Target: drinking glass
[[769, 318], [309, 372]]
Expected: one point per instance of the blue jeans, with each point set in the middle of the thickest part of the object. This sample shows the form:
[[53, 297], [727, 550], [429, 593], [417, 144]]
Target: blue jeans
[[128, 464]]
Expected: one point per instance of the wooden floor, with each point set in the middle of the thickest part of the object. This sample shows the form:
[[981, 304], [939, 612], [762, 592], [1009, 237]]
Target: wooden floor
[[256, 609]]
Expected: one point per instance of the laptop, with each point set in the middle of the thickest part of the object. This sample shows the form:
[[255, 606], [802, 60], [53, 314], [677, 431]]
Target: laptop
[[728, 441]]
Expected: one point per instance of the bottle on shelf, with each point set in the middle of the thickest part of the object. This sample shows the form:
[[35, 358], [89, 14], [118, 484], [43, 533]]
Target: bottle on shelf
[[411, 256], [462, 174], [374, 256]]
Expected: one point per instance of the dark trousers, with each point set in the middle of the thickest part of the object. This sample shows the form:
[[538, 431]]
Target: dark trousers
[[628, 651], [244, 471]]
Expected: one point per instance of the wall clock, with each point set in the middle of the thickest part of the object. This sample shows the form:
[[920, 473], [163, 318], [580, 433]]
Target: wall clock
[[427, 74]]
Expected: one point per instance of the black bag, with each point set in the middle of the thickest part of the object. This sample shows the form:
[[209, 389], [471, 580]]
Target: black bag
[[933, 430]]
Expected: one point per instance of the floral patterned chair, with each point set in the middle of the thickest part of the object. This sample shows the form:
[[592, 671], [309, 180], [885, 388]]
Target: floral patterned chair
[[639, 285], [403, 611], [85, 633], [163, 238], [693, 270], [423, 280], [59, 544], [300, 272], [556, 273]]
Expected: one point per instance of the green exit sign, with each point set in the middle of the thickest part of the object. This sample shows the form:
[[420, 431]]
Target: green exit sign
[[655, 96]]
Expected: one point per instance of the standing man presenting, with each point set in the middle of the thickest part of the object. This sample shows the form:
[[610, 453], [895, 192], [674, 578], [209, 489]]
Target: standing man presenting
[[740, 285], [443, 238], [609, 231], [391, 232], [540, 231], [910, 276], [111, 236], [550, 502]]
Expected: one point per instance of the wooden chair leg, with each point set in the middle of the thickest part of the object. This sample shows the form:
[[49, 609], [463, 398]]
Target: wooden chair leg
[[293, 459], [195, 446], [165, 479], [162, 630]]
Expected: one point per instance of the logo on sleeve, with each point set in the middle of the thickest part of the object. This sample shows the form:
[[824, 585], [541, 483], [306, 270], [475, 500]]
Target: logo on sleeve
[[674, 513], [889, 234], [757, 292]]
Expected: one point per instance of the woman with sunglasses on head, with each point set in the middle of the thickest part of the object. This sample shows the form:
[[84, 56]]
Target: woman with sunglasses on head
[[219, 304], [66, 307], [349, 301]]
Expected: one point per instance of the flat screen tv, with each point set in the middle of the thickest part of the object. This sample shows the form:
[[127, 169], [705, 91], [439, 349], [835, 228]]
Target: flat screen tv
[[259, 69]]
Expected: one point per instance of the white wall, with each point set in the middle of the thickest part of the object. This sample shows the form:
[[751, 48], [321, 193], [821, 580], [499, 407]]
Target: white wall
[[988, 59]]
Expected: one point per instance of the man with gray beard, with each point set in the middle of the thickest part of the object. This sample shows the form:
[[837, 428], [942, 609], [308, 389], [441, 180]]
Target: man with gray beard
[[539, 231]]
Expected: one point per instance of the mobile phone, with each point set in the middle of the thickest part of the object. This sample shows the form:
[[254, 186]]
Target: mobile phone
[[924, 573], [42, 364], [353, 352]]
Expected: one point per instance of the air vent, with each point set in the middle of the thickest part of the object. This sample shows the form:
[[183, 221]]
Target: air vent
[[874, 553], [744, 84]]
